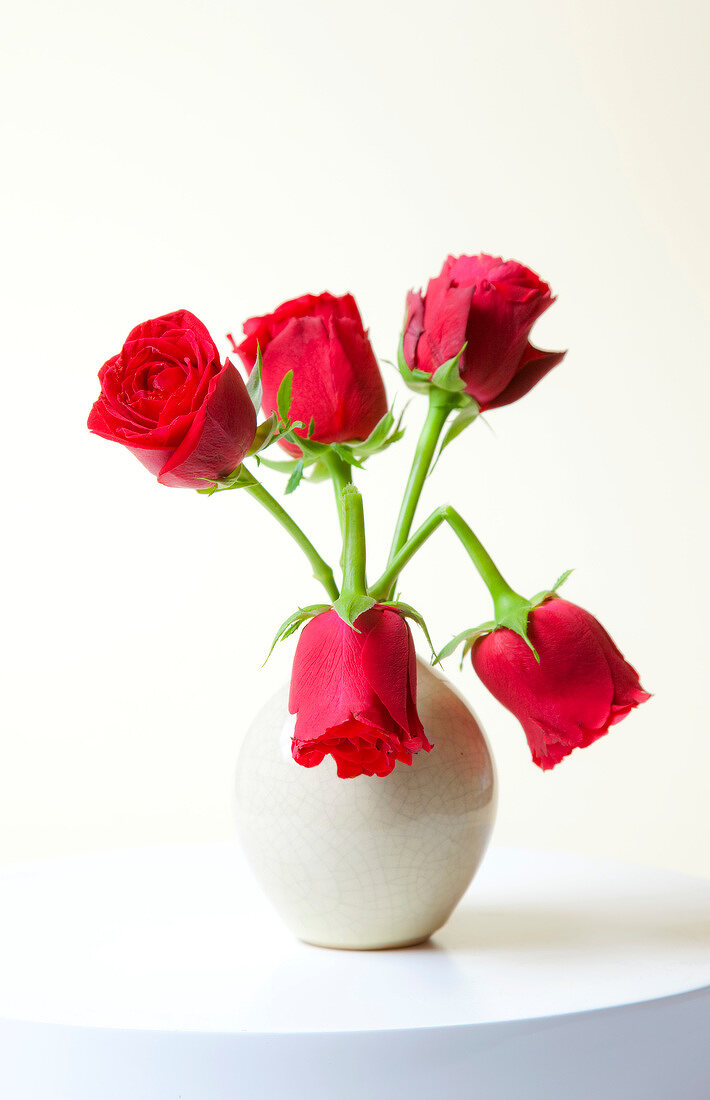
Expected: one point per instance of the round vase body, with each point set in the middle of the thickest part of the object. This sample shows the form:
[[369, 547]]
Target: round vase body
[[369, 862]]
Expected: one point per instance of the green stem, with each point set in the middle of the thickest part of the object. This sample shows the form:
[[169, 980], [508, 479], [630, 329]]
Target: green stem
[[354, 547], [439, 408], [321, 570], [382, 588], [504, 597], [341, 475]]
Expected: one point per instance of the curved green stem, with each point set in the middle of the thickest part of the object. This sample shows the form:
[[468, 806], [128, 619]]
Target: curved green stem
[[321, 570], [384, 585], [440, 406], [503, 595]]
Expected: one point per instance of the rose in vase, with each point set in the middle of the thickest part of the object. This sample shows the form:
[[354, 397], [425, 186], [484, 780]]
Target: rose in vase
[[353, 691], [567, 687]]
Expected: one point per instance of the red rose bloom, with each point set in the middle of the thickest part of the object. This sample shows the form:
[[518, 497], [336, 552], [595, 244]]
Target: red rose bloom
[[490, 306], [168, 399], [581, 686], [354, 694], [336, 380]]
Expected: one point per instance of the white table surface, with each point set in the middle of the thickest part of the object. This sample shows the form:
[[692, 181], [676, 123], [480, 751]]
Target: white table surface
[[163, 974]]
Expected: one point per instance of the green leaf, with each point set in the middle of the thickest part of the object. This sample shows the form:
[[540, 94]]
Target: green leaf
[[295, 478], [283, 397], [254, 388], [293, 622], [349, 608], [447, 376]]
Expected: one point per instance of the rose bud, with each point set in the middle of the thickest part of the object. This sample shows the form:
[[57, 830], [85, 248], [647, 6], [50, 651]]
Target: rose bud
[[580, 687], [336, 380], [490, 306], [354, 693], [167, 397]]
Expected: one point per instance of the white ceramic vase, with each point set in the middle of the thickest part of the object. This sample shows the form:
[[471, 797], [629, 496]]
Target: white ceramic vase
[[368, 862]]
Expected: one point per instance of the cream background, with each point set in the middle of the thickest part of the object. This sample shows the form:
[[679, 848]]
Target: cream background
[[224, 157]]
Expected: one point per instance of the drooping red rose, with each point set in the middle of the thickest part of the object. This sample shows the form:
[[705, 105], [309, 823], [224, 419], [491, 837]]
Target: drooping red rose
[[336, 380], [581, 686], [167, 398], [489, 305], [354, 694]]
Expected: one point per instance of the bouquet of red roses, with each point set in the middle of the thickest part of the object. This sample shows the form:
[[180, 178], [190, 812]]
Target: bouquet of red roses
[[192, 420]]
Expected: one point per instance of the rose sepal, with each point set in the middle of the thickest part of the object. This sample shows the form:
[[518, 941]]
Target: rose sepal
[[446, 378], [512, 613], [253, 383], [314, 454], [461, 421], [266, 433], [410, 612], [290, 625], [277, 426], [350, 605], [238, 479], [386, 432]]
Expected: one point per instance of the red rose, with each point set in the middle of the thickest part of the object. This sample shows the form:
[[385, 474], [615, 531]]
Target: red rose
[[490, 306], [581, 686], [170, 401], [336, 380], [355, 693]]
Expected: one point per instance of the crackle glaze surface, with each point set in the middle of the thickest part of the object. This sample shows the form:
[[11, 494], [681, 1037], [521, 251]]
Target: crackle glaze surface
[[368, 862]]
